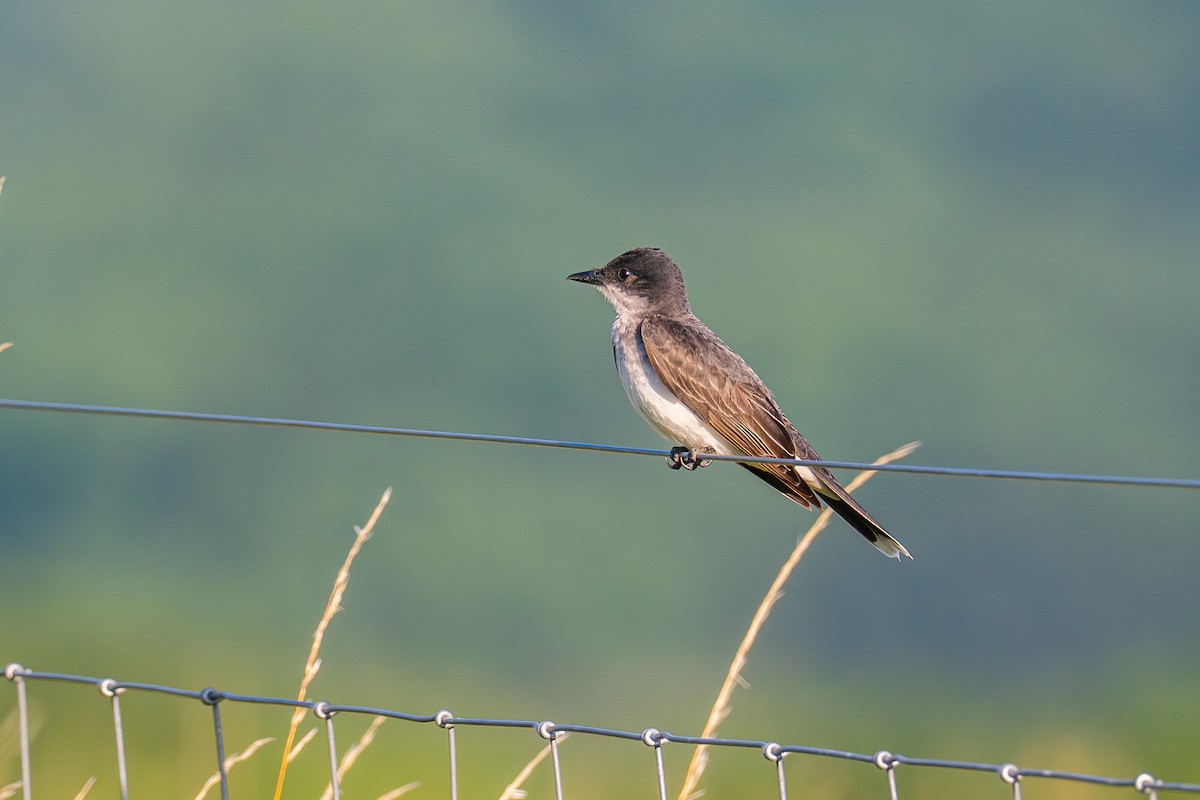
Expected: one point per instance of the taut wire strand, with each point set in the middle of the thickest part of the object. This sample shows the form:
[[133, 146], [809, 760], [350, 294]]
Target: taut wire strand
[[273, 422]]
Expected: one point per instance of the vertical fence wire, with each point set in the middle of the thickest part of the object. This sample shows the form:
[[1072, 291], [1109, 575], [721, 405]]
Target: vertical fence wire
[[16, 674], [558, 784], [110, 689], [1010, 774], [443, 719], [774, 753], [213, 698], [654, 738], [323, 712], [887, 762], [547, 731]]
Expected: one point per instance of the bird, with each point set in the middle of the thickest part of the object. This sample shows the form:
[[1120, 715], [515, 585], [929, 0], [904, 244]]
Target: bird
[[691, 388]]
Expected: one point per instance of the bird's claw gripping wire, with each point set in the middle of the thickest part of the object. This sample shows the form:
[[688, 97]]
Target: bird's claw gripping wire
[[686, 458]]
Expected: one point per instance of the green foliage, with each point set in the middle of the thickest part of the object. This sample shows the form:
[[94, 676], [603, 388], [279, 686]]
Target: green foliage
[[972, 225]]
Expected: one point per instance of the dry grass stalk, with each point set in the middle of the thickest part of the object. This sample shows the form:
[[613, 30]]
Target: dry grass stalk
[[402, 790], [313, 664], [9, 741], [514, 791], [87, 787], [733, 678], [232, 760], [353, 752], [295, 751], [10, 790]]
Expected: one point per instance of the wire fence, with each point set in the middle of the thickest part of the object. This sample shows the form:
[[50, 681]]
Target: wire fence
[[775, 753], [277, 422]]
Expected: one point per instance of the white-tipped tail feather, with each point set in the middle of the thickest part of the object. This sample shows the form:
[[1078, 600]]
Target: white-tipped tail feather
[[848, 509]]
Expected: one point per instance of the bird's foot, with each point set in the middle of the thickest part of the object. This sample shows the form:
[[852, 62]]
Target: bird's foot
[[687, 459]]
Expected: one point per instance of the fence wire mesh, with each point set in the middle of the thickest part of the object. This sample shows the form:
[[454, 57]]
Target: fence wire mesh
[[1010, 777]]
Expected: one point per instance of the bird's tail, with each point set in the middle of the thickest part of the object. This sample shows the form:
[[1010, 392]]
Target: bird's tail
[[848, 509]]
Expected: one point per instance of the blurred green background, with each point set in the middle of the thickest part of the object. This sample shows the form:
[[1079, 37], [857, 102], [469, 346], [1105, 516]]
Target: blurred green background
[[969, 224]]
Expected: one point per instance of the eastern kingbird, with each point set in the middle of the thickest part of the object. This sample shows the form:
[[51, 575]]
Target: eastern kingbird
[[693, 389]]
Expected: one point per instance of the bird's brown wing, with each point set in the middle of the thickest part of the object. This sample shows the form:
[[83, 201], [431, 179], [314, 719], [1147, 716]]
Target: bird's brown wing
[[721, 389]]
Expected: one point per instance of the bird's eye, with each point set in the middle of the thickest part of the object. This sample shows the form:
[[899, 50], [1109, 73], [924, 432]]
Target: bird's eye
[[623, 274]]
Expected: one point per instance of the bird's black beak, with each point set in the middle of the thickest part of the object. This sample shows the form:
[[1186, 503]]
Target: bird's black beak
[[592, 276]]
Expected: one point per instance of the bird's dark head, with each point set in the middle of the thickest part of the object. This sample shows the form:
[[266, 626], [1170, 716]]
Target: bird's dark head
[[640, 282]]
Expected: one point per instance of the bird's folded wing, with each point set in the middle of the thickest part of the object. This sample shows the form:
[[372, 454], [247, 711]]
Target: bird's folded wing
[[721, 389]]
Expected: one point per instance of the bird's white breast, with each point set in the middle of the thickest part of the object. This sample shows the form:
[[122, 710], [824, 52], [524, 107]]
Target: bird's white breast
[[653, 401]]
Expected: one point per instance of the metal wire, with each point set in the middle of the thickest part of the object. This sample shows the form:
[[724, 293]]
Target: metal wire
[[323, 712], [558, 784], [15, 673], [110, 689], [273, 422], [774, 753], [443, 719], [213, 698]]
